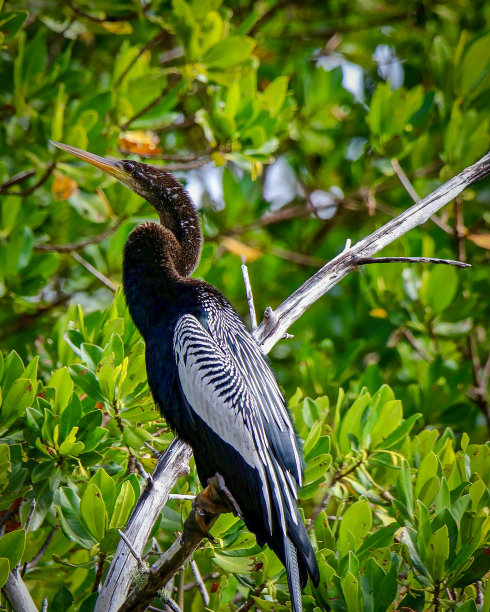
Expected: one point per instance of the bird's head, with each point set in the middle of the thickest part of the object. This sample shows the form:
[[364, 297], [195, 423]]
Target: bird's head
[[164, 192], [158, 187]]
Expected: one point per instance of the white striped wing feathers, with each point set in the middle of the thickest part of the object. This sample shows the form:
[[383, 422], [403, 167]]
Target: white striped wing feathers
[[237, 405]]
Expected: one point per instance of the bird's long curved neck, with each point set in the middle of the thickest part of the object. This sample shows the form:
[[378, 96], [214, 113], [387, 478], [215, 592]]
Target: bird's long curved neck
[[158, 257], [179, 217]]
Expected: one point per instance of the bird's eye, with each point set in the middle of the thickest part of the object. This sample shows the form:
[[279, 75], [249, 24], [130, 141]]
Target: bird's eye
[[128, 166]]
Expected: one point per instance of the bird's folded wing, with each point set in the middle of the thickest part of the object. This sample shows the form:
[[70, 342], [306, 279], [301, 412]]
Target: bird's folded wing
[[217, 392], [252, 365]]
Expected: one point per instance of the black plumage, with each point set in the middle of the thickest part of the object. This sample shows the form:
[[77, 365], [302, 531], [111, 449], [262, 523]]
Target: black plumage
[[207, 374]]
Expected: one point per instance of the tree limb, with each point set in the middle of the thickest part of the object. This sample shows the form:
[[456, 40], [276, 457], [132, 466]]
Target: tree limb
[[268, 333], [172, 464], [114, 594], [77, 246], [17, 594]]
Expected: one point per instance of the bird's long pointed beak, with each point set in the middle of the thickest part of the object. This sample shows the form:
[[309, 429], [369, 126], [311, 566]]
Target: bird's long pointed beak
[[108, 165]]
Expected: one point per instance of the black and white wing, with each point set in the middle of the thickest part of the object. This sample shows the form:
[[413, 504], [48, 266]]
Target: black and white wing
[[217, 391], [235, 339]]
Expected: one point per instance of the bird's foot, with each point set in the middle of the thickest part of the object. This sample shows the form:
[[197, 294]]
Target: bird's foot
[[220, 481], [212, 501]]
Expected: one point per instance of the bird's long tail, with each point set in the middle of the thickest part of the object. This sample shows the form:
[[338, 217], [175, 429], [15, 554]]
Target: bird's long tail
[[292, 571]]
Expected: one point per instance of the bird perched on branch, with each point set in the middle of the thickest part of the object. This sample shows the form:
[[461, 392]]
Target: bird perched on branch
[[206, 372]]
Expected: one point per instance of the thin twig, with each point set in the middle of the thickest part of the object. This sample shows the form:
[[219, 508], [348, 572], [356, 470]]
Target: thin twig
[[154, 451], [200, 583], [251, 601], [146, 109], [404, 180], [173, 605], [77, 246], [211, 576], [16, 179], [181, 497], [186, 122], [192, 165], [99, 572], [188, 158], [103, 279], [416, 345], [78, 11], [132, 550], [34, 561], [448, 262], [30, 190], [180, 590], [153, 42], [30, 515], [142, 471], [250, 297]]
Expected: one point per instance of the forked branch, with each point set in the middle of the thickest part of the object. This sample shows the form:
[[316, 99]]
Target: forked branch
[[271, 330]]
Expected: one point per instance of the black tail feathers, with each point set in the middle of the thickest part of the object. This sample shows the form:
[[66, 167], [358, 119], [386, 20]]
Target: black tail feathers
[[299, 561], [292, 570]]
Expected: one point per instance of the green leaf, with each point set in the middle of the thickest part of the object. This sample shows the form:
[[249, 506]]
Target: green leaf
[[5, 466], [4, 571], [357, 520], [236, 565], [11, 22], [71, 518], [229, 52], [437, 553], [62, 600], [351, 422], [93, 512], [381, 538], [441, 287], [443, 499], [63, 384], [106, 486], [122, 507], [401, 432], [478, 568], [388, 418], [404, 486], [427, 469], [317, 467], [12, 546], [19, 397], [87, 381], [274, 94], [350, 589], [378, 587]]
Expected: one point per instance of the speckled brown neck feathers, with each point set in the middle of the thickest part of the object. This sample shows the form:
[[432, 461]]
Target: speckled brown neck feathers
[[177, 214]]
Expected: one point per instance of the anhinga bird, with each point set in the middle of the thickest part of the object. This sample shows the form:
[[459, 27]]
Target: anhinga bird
[[206, 372]]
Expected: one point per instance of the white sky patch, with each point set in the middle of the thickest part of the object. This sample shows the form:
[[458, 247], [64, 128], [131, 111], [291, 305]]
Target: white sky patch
[[208, 179], [352, 74], [389, 66], [325, 203], [280, 184]]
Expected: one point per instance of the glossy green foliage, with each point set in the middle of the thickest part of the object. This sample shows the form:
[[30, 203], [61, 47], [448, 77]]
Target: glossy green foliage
[[387, 375]]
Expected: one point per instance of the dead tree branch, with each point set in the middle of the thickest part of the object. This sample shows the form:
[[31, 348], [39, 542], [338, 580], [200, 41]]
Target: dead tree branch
[[172, 464], [17, 594], [269, 332]]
